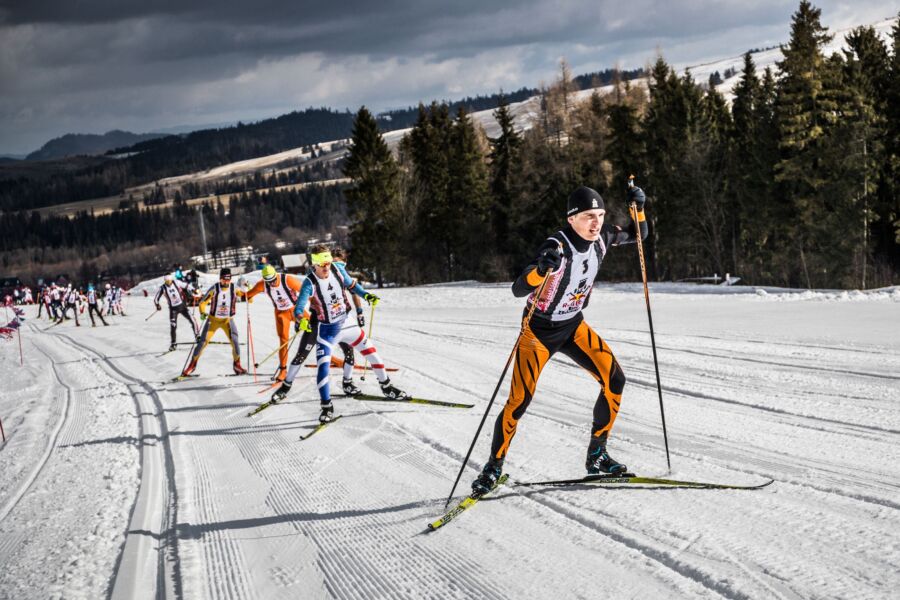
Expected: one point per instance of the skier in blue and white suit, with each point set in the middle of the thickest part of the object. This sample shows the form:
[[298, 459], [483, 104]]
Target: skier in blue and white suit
[[325, 290]]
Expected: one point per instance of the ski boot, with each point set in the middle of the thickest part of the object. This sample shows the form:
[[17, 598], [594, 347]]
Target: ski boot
[[327, 413], [599, 461], [485, 482], [391, 392], [281, 375], [350, 388], [281, 393], [172, 347], [238, 369]]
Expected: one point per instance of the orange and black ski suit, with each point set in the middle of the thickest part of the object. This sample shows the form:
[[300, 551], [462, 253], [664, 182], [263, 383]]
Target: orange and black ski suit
[[283, 296], [558, 326]]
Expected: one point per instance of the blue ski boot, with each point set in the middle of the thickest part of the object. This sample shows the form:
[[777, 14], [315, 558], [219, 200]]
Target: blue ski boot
[[599, 461], [485, 482]]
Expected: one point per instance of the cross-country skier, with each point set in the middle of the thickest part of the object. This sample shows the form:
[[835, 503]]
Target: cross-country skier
[[70, 300], [283, 290], [219, 303], [109, 300], [117, 299], [325, 291], [174, 293], [92, 301], [308, 342], [56, 299], [571, 259]]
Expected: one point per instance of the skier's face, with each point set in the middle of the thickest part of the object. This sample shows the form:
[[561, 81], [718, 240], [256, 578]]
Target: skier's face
[[587, 223], [322, 270]]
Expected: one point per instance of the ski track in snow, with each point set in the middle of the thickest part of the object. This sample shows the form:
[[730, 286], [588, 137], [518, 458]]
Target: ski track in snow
[[216, 504]]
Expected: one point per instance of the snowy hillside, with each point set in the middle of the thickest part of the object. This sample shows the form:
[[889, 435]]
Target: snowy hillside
[[114, 482], [524, 112]]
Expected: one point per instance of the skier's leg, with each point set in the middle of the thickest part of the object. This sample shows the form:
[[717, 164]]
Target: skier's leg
[[325, 343], [91, 315], [173, 324], [231, 331], [184, 312], [307, 343], [593, 354], [357, 339], [349, 360], [283, 321], [205, 334], [531, 356]]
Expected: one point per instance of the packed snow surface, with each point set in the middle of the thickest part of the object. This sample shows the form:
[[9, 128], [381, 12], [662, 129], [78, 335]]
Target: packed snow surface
[[115, 482]]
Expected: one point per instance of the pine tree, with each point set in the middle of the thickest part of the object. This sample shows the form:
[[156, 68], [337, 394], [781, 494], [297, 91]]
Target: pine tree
[[803, 110], [504, 161], [467, 225], [372, 199]]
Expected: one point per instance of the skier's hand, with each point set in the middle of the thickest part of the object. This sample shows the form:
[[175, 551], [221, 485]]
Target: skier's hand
[[158, 307], [202, 316], [360, 317], [372, 299], [549, 260], [636, 196], [304, 324]]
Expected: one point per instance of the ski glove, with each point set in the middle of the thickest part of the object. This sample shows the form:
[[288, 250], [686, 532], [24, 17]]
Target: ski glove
[[158, 307], [549, 260], [360, 318], [202, 316], [304, 324], [636, 196], [371, 299]]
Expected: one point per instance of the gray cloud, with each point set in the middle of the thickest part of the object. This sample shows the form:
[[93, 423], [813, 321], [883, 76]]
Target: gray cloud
[[93, 65]]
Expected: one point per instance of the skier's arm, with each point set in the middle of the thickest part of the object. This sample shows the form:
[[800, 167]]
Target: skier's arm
[[614, 235], [207, 298], [352, 285], [536, 271], [257, 288], [303, 299], [294, 283], [158, 294]]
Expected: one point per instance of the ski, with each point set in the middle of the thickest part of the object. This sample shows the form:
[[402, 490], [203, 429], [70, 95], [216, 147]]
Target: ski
[[319, 428], [262, 407], [409, 400], [180, 378], [631, 479], [340, 365], [467, 503], [270, 387]]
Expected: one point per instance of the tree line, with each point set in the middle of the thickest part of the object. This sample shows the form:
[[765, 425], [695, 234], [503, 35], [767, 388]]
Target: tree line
[[793, 184]]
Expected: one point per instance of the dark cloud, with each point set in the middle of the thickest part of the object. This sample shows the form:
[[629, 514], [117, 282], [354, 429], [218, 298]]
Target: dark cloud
[[91, 65]]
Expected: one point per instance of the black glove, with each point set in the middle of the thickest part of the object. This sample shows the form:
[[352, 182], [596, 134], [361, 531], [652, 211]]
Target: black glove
[[549, 260], [296, 326], [636, 195], [360, 318]]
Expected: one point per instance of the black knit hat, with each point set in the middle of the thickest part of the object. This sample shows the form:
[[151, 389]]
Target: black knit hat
[[225, 272], [584, 198]]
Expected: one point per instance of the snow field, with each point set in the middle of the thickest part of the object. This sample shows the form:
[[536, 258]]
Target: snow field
[[798, 387]]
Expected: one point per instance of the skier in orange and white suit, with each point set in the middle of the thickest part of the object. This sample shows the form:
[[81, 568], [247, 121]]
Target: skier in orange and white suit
[[283, 290]]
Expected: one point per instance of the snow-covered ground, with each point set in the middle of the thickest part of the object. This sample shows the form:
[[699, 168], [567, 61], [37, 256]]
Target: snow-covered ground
[[114, 483]]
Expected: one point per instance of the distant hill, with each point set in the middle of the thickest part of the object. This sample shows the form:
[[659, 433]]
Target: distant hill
[[81, 144]]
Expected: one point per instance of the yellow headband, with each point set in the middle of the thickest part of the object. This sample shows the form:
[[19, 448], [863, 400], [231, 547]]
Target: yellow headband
[[322, 258]]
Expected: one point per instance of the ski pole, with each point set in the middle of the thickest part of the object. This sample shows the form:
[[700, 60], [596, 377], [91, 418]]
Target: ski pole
[[525, 323], [287, 343], [250, 350], [371, 323], [640, 245], [151, 315]]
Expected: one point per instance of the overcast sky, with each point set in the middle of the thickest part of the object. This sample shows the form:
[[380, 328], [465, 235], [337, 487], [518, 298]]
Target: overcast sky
[[88, 66]]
